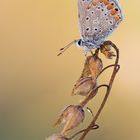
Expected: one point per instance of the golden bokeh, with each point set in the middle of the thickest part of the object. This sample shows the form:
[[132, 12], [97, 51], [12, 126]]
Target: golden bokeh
[[35, 84]]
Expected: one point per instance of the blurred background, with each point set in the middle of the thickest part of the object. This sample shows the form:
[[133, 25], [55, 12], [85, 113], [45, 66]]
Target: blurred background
[[35, 84]]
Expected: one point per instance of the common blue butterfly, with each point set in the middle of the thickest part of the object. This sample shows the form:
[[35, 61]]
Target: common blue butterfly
[[97, 20]]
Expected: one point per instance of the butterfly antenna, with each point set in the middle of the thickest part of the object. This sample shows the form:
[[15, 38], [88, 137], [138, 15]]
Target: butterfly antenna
[[62, 50]]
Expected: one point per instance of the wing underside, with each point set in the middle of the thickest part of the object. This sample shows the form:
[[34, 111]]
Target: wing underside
[[98, 18]]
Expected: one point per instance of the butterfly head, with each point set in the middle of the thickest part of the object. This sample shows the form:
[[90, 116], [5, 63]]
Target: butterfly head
[[79, 42]]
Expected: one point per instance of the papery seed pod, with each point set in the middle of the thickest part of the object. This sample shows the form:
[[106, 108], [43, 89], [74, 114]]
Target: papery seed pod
[[106, 47], [109, 54], [72, 116], [86, 71], [106, 50], [57, 137], [83, 86], [95, 65]]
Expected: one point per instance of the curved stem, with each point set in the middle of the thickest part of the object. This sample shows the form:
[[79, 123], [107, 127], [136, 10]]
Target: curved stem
[[91, 95], [81, 131], [116, 68], [113, 65], [102, 86]]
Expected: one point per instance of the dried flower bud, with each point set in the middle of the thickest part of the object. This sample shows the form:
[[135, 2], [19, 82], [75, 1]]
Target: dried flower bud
[[57, 137], [72, 116], [95, 65], [106, 50], [86, 71], [83, 86]]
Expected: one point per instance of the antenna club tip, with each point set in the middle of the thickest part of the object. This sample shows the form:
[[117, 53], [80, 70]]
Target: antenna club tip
[[61, 49]]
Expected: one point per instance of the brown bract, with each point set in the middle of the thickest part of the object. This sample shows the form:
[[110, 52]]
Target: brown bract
[[88, 79], [72, 116], [95, 65], [84, 86], [106, 50]]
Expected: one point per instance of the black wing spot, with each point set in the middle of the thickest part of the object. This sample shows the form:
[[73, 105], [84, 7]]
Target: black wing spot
[[112, 3], [110, 22], [87, 18], [87, 29]]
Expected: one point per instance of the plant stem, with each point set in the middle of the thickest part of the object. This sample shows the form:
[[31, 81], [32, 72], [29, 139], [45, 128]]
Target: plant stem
[[91, 95], [116, 68]]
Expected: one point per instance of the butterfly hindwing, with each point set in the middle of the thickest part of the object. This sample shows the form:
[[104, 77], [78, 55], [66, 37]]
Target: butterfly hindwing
[[98, 18]]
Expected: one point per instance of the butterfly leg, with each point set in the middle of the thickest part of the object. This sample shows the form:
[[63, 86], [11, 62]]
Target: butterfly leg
[[96, 52], [85, 53]]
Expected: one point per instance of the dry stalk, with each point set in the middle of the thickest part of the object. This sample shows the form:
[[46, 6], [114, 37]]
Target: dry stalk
[[93, 125], [73, 115]]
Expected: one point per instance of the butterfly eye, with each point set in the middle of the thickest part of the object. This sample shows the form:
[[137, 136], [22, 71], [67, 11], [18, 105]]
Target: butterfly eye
[[79, 42]]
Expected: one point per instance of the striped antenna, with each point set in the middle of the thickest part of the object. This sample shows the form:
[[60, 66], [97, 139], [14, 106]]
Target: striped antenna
[[62, 50]]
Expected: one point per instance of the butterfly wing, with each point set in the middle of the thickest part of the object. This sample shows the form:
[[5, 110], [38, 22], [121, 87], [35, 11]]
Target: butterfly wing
[[98, 18]]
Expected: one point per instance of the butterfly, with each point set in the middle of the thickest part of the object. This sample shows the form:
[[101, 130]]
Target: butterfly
[[97, 20]]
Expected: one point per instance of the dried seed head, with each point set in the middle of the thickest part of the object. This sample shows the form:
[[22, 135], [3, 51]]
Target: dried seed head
[[88, 80], [86, 71], [72, 116], [106, 50], [57, 137], [83, 86], [95, 65]]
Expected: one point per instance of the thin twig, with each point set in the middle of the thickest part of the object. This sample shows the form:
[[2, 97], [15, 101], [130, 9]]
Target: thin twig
[[116, 68], [102, 86], [91, 94], [81, 131], [106, 69]]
